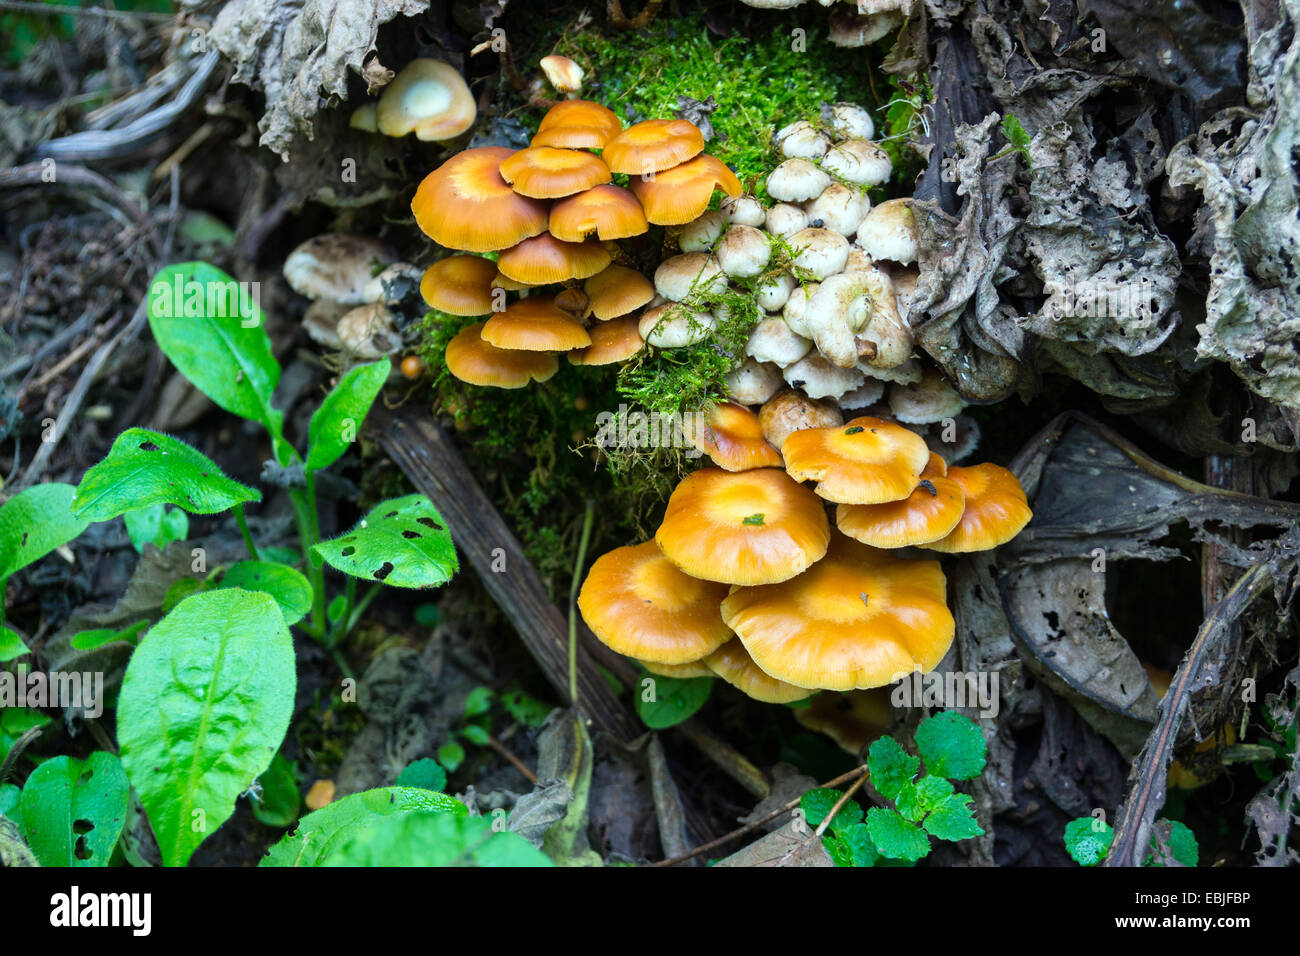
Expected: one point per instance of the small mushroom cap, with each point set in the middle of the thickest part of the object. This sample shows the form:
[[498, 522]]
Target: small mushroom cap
[[365, 118], [774, 341], [653, 146], [577, 124], [611, 212], [692, 272], [465, 204], [617, 290], [544, 172], [785, 219], [459, 285], [335, 266], [743, 211], [841, 313], [564, 74], [743, 252], [849, 120], [472, 360], [731, 436], [369, 331], [509, 284], [574, 301], [753, 383], [865, 462], [853, 30], [743, 527], [427, 98], [702, 233], [927, 514], [868, 393], [673, 325], [930, 400], [996, 509], [858, 161], [889, 232], [774, 292], [545, 259], [802, 140], [535, 324], [733, 664], [678, 671], [839, 208], [795, 310], [680, 194], [796, 180], [819, 252], [955, 442], [640, 605], [852, 720], [859, 618], [820, 379], [793, 411], [614, 341]]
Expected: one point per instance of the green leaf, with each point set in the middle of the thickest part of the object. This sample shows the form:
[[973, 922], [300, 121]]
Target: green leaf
[[279, 801], [204, 705], [672, 699], [475, 734], [11, 645], [320, 833], [478, 701], [145, 468], [953, 819], [157, 525], [525, 708], [850, 846], [896, 837], [73, 811], [1182, 844], [292, 591], [908, 802], [433, 839], [182, 588], [952, 745], [891, 767], [35, 522], [451, 755], [425, 773], [16, 721], [89, 640], [1088, 840], [218, 341], [11, 800], [335, 425], [402, 542], [815, 804], [334, 611]]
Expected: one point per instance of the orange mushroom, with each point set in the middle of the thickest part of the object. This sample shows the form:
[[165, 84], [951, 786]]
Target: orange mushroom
[[678, 671], [865, 462], [465, 204], [653, 146], [641, 606], [477, 362], [459, 285], [544, 259], [611, 212], [544, 172], [535, 324], [577, 124], [746, 527], [732, 437], [996, 509], [617, 291], [681, 194], [852, 720], [613, 341], [858, 618], [926, 515], [733, 664]]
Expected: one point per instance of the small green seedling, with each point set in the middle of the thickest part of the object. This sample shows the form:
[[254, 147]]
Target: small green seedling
[[1088, 841]]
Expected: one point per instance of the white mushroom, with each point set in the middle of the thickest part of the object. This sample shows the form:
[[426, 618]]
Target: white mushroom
[[321, 321], [701, 234], [753, 383], [850, 29], [930, 400], [743, 211], [773, 292], [841, 307], [743, 252], [335, 266], [564, 74], [802, 140], [952, 440], [819, 252], [904, 280], [796, 308], [889, 232], [839, 208], [858, 161], [692, 272], [820, 379], [849, 120], [907, 373], [886, 339], [796, 180], [858, 260], [674, 325], [868, 393], [792, 411], [369, 332], [785, 220], [772, 340]]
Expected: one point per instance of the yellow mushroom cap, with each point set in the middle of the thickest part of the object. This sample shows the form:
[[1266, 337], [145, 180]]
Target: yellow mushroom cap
[[681, 194], [477, 362], [544, 172], [465, 204], [996, 509], [852, 720], [428, 98], [611, 212], [641, 606], [746, 527], [653, 146], [863, 462], [617, 290], [732, 437], [577, 124], [858, 618], [678, 671], [459, 285], [544, 259], [733, 664], [614, 341], [926, 515], [535, 324]]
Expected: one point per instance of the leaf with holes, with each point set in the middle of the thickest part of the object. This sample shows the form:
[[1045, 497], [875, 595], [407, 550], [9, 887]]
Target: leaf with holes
[[403, 542], [204, 705], [35, 522], [145, 468], [157, 525], [73, 812], [335, 425], [213, 330], [290, 589]]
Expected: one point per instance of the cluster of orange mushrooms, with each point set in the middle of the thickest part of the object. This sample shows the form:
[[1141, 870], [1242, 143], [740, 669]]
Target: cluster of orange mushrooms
[[554, 215], [748, 579]]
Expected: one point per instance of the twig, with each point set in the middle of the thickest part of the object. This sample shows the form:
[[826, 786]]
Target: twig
[[515, 762], [839, 804], [579, 564]]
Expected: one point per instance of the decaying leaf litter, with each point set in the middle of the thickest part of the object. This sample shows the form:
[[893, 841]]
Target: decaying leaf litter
[[1063, 150]]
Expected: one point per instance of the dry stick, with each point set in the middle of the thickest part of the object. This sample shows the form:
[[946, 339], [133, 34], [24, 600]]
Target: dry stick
[[515, 762], [839, 804]]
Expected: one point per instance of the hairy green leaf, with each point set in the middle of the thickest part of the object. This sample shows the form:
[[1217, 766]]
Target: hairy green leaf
[[425, 773], [287, 585], [11, 645], [433, 839], [671, 700], [157, 524], [953, 819], [952, 745], [335, 425], [275, 800], [891, 767], [896, 837], [35, 522], [1088, 840], [73, 811], [403, 542]]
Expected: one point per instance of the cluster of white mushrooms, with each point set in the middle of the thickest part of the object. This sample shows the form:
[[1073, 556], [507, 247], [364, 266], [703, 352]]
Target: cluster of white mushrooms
[[853, 23], [834, 332]]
